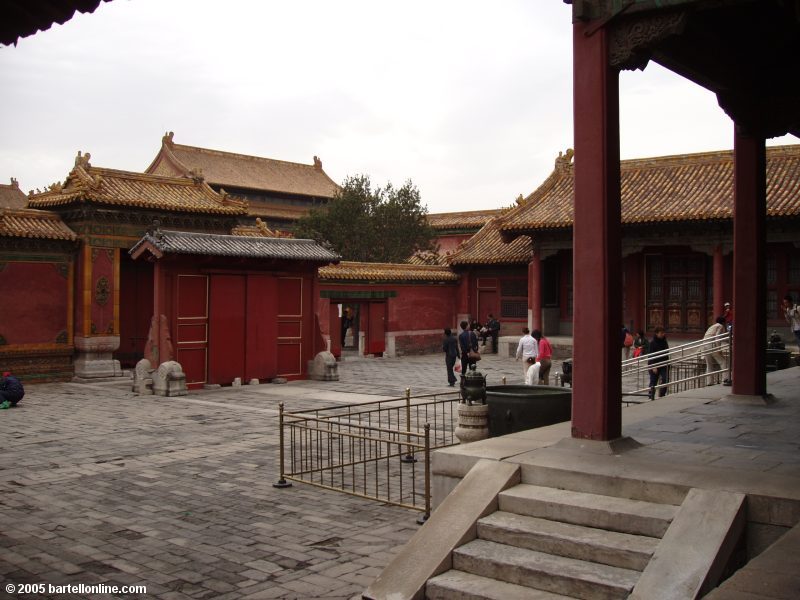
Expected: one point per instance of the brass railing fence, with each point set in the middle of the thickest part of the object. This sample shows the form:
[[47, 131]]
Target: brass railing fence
[[686, 364], [378, 450]]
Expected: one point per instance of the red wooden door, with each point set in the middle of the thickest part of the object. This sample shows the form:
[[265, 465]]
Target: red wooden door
[[487, 303], [261, 360], [290, 326], [226, 336], [376, 332], [191, 330]]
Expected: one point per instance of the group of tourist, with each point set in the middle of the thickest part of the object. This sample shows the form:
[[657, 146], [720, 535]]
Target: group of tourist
[[536, 353], [534, 348]]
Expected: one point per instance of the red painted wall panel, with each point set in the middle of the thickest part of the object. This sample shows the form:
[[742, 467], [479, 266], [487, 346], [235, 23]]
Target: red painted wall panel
[[226, 335], [103, 285], [33, 302]]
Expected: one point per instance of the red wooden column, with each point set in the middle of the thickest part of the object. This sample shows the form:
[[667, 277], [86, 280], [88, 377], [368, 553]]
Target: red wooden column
[[597, 393], [749, 243], [535, 291], [719, 281]]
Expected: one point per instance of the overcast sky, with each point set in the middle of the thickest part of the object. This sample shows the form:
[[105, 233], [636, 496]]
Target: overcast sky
[[470, 100]]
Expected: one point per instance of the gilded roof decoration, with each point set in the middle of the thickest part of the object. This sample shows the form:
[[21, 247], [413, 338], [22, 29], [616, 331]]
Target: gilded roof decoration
[[473, 219], [687, 187], [11, 196], [86, 183], [242, 171], [360, 271], [259, 229], [37, 224], [487, 247], [162, 242]]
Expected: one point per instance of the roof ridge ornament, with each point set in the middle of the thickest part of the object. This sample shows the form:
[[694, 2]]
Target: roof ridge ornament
[[196, 175], [263, 229], [318, 163], [83, 160], [564, 160], [14, 183], [167, 139]]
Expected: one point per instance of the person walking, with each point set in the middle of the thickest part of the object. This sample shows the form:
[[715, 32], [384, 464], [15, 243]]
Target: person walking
[[493, 331], [640, 344], [715, 359], [450, 348], [791, 313], [467, 341], [727, 314], [527, 348], [657, 365], [545, 356]]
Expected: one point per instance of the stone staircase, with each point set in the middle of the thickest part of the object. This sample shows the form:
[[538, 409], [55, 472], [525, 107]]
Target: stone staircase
[[545, 543]]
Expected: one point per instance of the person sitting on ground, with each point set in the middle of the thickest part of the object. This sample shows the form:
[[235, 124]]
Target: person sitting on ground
[[492, 331], [11, 390]]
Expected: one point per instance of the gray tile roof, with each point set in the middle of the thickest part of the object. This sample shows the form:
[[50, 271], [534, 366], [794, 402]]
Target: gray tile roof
[[184, 242]]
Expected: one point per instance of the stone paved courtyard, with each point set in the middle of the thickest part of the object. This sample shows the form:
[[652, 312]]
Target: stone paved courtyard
[[98, 486]]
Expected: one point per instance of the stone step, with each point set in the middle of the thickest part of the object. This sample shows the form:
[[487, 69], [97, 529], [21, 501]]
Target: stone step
[[580, 508], [556, 574], [564, 539], [459, 585]]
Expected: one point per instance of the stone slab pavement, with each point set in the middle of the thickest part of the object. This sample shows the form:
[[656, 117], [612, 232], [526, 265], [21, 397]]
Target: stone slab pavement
[[99, 486]]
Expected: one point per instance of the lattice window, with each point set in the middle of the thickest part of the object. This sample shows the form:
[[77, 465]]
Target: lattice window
[[514, 309]]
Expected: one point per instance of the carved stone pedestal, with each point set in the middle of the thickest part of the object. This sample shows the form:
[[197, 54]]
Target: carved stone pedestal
[[473, 423], [324, 367], [95, 358]]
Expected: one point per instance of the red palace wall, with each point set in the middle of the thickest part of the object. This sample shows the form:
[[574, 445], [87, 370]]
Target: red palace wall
[[415, 315], [35, 324]]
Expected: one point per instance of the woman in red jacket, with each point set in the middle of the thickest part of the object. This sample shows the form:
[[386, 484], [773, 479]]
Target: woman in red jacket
[[545, 357]]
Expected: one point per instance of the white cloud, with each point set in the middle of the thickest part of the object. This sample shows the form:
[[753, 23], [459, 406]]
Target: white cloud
[[471, 101]]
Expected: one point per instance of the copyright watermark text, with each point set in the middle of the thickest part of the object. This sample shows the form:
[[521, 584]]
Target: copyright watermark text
[[73, 588]]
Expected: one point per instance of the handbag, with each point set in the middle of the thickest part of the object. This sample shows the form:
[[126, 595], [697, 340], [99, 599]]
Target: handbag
[[473, 356]]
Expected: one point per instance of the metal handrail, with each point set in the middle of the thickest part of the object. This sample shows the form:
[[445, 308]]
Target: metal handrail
[[369, 449], [688, 357]]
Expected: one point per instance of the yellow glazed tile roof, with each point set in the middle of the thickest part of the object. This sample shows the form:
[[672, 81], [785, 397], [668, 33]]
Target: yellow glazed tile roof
[[11, 196], [688, 187], [243, 171], [30, 223], [473, 219], [276, 211], [86, 183], [359, 271], [487, 247]]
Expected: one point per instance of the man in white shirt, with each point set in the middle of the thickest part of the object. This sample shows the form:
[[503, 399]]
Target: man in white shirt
[[791, 312], [527, 348], [715, 359], [532, 374]]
